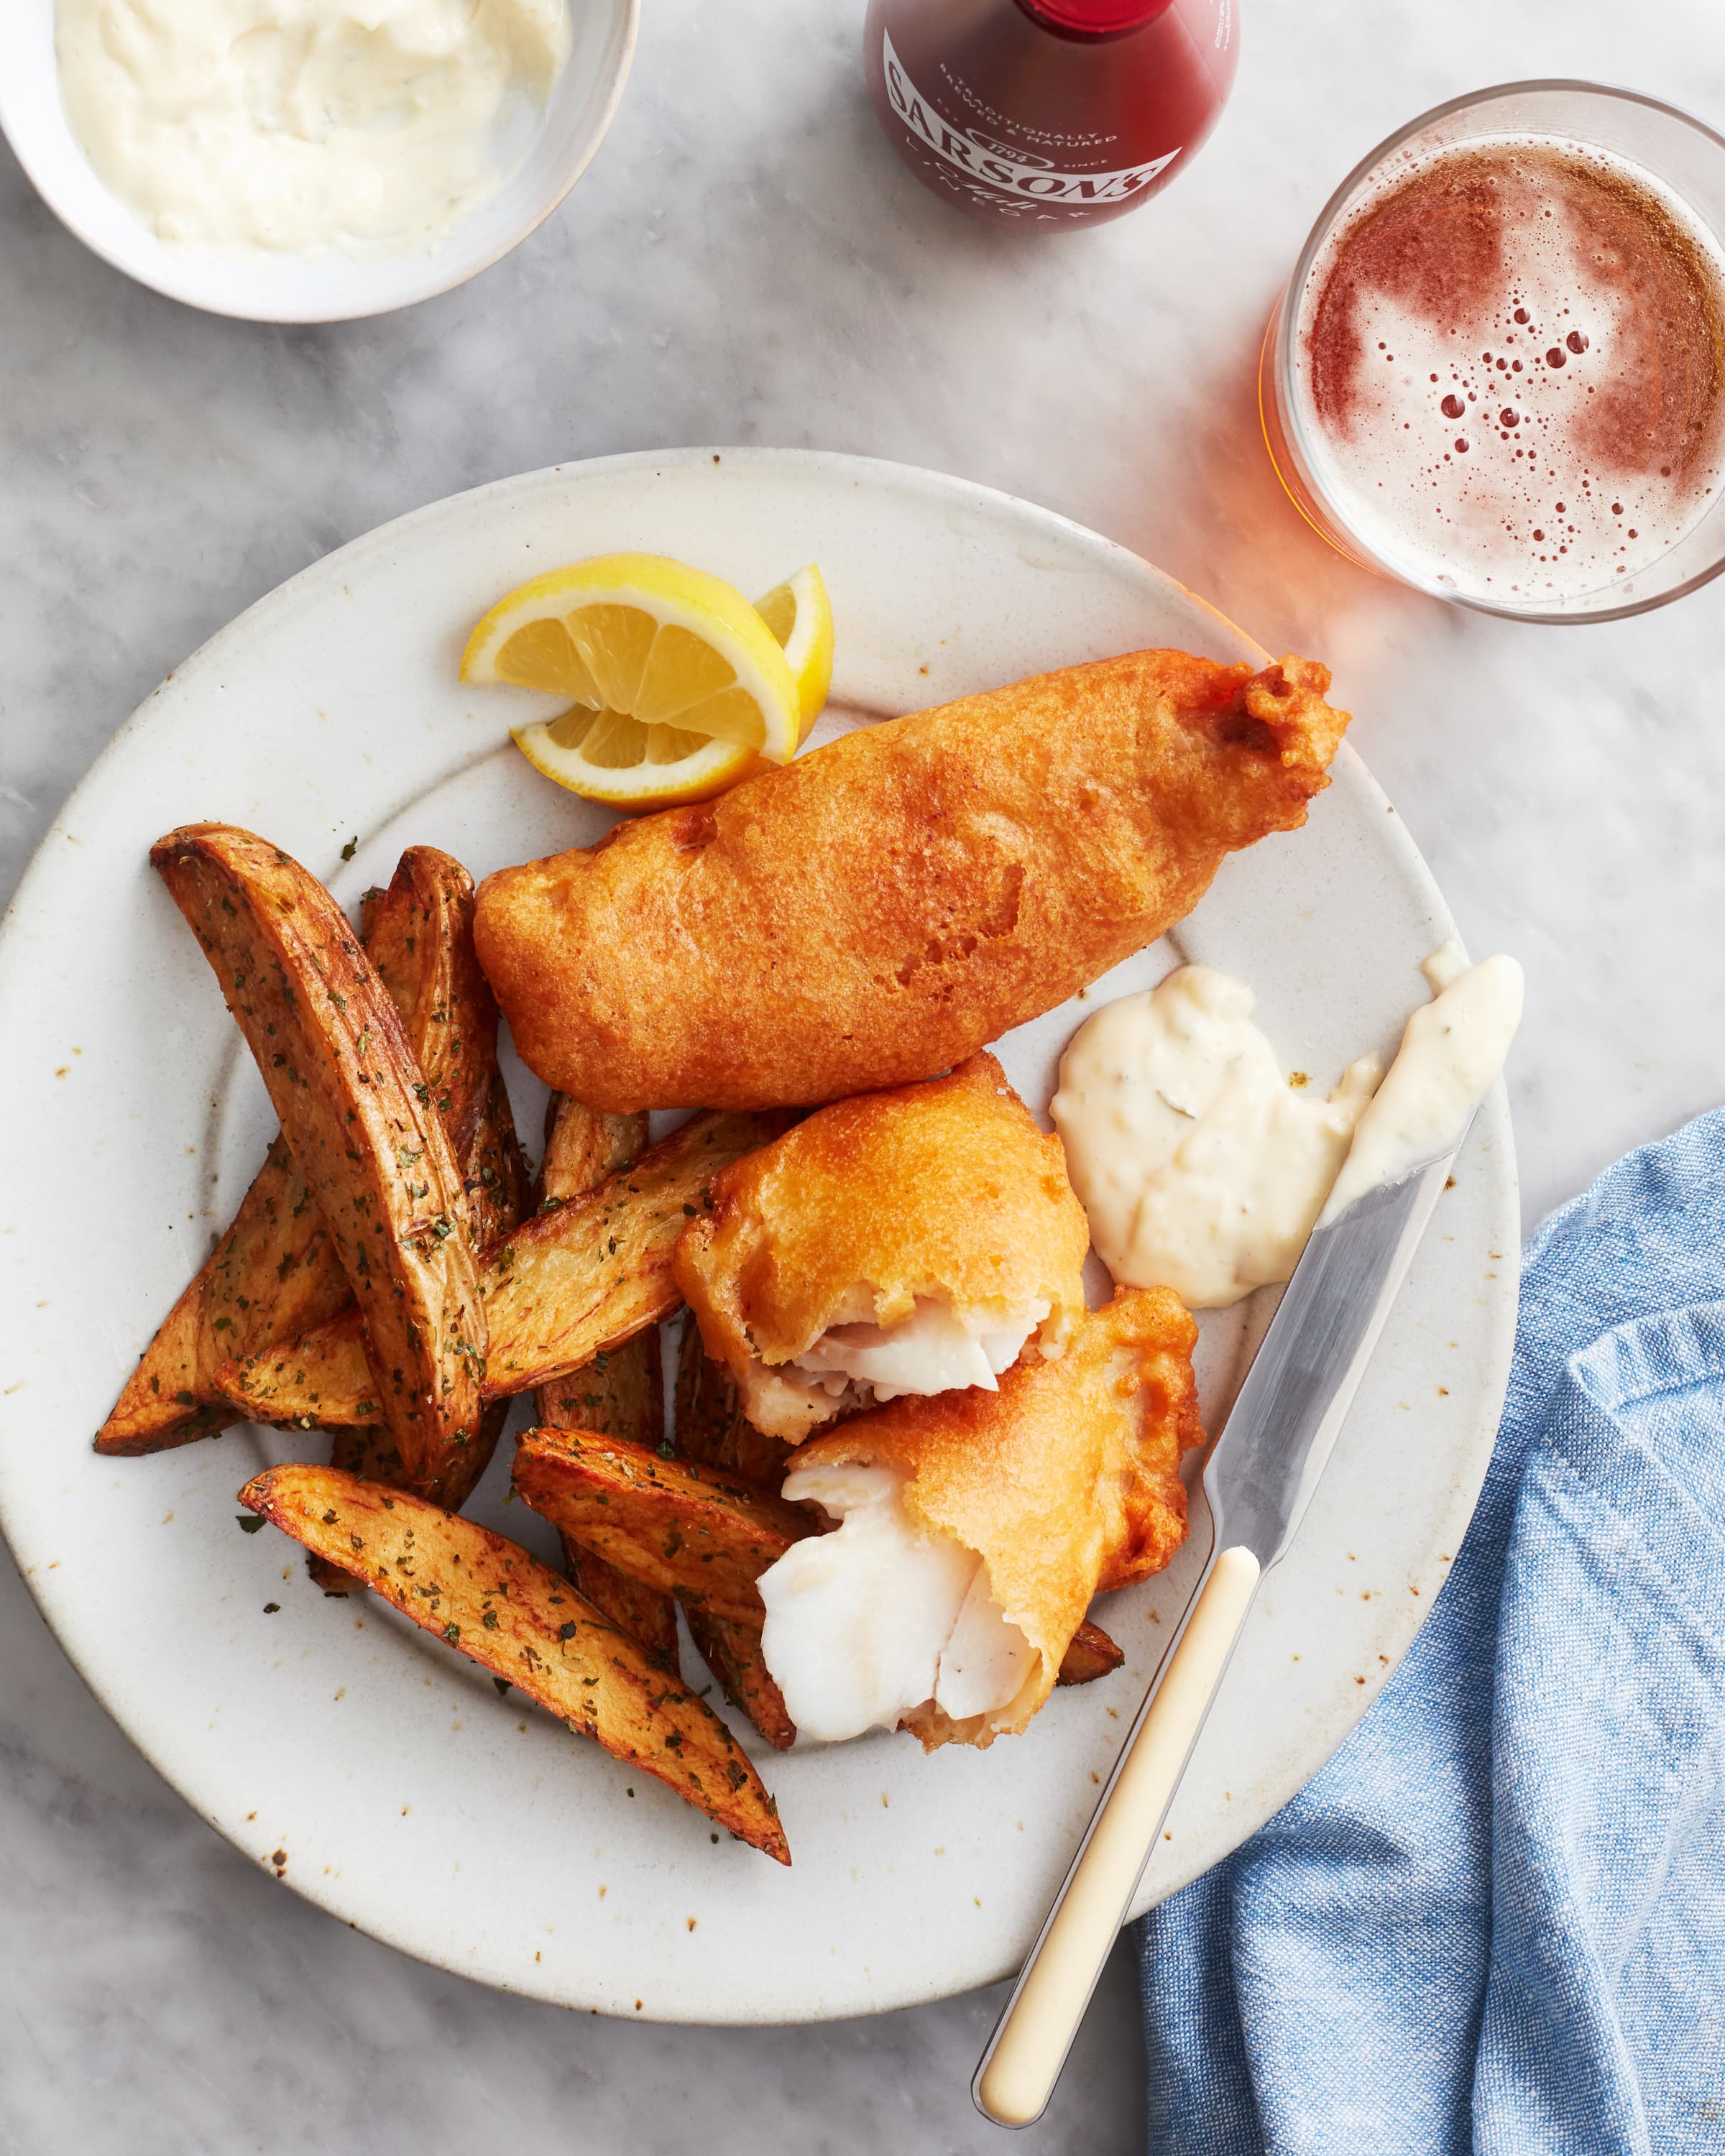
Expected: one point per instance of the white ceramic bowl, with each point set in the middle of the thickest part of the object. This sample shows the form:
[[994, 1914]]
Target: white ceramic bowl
[[329, 287]]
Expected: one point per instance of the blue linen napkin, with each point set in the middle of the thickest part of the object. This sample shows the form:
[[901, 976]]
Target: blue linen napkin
[[1496, 1921]]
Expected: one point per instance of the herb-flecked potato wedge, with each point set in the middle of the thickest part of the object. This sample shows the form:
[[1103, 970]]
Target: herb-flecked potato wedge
[[496, 1181], [583, 1146], [357, 1117], [713, 1431], [497, 1604], [561, 1289], [732, 1652], [598, 1270], [691, 1531], [620, 1392], [712, 1428], [275, 1273], [645, 1613]]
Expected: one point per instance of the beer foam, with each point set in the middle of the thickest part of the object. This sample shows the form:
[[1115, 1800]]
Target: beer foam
[[1509, 374]]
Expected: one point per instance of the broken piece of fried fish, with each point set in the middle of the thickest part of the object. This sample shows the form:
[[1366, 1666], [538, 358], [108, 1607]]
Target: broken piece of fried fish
[[908, 1241], [874, 912]]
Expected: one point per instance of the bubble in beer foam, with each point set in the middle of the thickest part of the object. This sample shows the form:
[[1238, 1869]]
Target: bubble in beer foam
[[1510, 370]]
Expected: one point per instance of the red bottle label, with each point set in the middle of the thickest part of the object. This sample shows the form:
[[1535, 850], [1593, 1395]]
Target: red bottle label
[[1006, 169]]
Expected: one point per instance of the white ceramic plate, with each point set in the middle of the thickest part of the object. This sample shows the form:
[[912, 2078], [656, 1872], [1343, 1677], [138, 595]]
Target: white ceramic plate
[[329, 285], [380, 1772]]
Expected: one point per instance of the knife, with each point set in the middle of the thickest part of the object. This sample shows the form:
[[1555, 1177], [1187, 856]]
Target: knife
[[1262, 1471]]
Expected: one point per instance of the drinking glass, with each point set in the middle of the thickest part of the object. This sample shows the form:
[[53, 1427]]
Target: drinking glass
[[1685, 158]]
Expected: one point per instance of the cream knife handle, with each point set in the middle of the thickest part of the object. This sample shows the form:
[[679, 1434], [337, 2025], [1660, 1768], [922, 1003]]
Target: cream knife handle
[[1028, 2048]]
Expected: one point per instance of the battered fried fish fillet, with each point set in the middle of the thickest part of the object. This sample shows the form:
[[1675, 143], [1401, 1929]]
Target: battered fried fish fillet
[[874, 912], [909, 1241], [976, 1527]]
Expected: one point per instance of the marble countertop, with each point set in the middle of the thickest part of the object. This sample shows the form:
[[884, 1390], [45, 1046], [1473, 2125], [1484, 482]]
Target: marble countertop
[[747, 263]]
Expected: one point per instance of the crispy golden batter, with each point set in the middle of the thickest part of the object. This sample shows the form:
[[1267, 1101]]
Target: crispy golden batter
[[1066, 1480], [944, 1191], [876, 912]]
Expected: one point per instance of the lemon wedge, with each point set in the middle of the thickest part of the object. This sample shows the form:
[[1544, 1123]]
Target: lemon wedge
[[800, 616], [676, 686]]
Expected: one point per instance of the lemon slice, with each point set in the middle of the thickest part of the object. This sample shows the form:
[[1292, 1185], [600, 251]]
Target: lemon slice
[[800, 615], [677, 688]]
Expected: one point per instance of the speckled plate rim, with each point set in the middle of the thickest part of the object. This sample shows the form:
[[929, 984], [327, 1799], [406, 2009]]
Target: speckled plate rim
[[766, 1970]]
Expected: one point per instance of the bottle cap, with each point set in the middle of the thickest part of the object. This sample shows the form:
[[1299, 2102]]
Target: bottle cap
[[1095, 18]]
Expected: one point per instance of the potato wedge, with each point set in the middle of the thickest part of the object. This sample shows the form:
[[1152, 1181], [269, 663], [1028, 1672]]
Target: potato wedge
[[275, 1269], [598, 1270], [583, 1146], [357, 1117], [516, 1617], [321, 1381], [647, 1615], [620, 1394], [643, 1612], [167, 1400], [712, 1431], [732, 1652], [275, 1273], [418, 934], [497, 1184], [694, 1532], [1089, 1655], [561, 1289]]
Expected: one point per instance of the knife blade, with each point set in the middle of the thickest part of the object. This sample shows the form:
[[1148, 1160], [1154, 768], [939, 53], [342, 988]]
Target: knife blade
[[1286, 1416], [1262, 1471]]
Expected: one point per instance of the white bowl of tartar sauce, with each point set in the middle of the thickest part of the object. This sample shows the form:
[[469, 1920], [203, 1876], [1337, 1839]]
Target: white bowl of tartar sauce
[[308, 160]]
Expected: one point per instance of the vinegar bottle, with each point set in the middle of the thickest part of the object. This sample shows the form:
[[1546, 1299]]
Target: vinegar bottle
[[1049, 112]]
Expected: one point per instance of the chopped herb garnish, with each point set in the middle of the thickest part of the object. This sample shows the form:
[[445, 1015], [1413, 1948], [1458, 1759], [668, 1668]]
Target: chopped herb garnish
[[249, 1523]]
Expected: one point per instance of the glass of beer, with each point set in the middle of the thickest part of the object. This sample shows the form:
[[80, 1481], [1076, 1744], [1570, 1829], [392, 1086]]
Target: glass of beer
[[1498, 372]]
